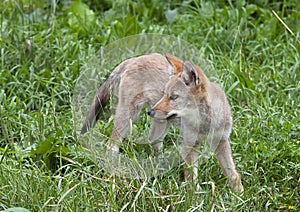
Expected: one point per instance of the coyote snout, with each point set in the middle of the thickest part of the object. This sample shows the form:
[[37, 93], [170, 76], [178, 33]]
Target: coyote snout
[[165, 116]]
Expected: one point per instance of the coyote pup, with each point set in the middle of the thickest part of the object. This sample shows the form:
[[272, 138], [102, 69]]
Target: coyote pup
[[205, 115]]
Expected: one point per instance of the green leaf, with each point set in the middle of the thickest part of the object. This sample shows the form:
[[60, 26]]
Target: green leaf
[[43, 147], [82, 18], [126, 26], [251, 8]]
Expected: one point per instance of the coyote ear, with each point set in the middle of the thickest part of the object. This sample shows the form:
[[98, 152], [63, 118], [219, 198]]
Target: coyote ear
[[190, 74], [176, 64]]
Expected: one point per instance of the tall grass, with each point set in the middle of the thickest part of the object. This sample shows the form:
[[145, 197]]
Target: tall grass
[[43, 167]]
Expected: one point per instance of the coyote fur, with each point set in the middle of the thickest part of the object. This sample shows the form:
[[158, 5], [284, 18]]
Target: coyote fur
[[187, 95], [139, 80], [205, 115]]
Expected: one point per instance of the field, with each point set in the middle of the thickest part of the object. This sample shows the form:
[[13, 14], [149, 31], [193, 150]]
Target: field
[[254, 48]]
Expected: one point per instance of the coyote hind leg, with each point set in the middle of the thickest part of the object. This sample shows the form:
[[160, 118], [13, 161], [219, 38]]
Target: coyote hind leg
[[126, 112], [224, 156]]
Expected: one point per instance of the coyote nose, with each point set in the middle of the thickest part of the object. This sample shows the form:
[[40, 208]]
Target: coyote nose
[[151, 112]]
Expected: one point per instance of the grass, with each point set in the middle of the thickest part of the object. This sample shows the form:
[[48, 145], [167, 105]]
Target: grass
[[44, 46]]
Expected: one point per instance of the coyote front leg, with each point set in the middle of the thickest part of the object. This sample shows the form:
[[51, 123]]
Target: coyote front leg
[[190, 153], [158, 131]]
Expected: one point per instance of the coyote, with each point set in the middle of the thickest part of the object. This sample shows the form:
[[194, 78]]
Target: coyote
[[141, 80], [205, 115]]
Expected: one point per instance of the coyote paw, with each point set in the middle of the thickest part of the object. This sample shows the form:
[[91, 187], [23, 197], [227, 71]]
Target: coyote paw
[[112, 150], [235, 183]]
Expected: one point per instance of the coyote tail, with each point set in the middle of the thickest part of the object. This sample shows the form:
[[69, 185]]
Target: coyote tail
[[103, 95]]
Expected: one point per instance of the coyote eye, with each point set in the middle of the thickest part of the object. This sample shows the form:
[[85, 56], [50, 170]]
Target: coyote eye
[[173, 97]]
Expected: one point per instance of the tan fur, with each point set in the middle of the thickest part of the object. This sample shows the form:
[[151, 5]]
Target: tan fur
[[175, 63], [139, 80], [205, 115]]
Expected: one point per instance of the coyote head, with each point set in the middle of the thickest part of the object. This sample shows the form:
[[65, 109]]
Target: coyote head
[[182, 94]]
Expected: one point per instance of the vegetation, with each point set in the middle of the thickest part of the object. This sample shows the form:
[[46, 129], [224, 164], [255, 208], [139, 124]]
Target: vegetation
[[253, 45]]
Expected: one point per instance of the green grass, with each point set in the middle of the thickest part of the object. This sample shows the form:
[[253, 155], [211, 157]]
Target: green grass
[[44, 46]]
